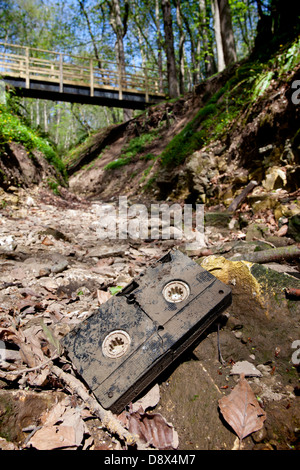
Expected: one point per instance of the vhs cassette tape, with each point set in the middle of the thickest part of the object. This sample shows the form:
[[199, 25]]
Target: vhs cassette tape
[[121, 348]]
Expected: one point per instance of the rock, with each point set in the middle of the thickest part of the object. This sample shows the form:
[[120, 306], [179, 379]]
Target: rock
[[260, 305], [48, 283], [43, 272], [5, 445], [275, 178], [7, 244], [283, 268], [269, 202], [30, 201], [57, 234], [245, 367], [294, 227], [106, 251], [278, 240], [217, 219], [59, 266], [260, 436], [255, 231], [192, 410], [197, 175]]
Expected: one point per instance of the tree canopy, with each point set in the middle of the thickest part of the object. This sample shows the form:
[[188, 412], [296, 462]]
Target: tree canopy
[[187, 41]]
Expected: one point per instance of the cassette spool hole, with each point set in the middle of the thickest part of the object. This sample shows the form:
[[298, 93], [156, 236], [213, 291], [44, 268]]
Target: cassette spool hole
[[176, 291], [116, 344]]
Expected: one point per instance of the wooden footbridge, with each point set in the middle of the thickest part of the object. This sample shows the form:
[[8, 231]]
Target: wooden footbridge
[[38, 73]]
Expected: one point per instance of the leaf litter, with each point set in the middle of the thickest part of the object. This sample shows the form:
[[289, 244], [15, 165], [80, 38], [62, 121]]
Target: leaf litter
[[37, 309]]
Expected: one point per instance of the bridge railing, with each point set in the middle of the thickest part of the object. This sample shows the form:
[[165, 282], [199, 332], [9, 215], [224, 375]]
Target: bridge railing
[[48, 66]]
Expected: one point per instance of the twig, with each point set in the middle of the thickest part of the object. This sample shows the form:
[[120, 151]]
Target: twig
[[241, 197], [31, 369], [108, 419], [36, 428], [283, 253], [219, 348]]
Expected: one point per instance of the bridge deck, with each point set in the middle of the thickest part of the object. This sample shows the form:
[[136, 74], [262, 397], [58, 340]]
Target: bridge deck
[[37, 73]]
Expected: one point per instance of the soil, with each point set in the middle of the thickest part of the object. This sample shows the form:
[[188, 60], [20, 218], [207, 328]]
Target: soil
[[54, 272]]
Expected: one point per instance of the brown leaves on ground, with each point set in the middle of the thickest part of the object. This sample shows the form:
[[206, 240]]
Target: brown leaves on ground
[[241, 409], [151, 428], [61, 427], [37, 348]]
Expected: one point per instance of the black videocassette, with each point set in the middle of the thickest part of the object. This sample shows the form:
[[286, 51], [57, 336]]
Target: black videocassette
[[125, 344]]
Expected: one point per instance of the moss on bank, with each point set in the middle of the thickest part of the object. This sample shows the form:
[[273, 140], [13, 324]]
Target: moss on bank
[[12, 129], [248, 82]]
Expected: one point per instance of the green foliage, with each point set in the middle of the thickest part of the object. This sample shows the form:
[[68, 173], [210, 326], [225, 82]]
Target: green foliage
[[262, 82], [288, 58], [131, 150], [248, 83], [114, 290], [188, 140], [148, 156], [12, 129], [117, 163], [53, 185]]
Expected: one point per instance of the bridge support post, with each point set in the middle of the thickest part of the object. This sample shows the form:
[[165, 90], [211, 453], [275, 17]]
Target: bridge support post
[[27, 78], [61, 74], [91, 78], [120, 81], [146, 86]]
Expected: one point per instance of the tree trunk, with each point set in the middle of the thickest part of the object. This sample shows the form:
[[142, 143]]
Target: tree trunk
[[84, 12], [37, 117], [159, 43], [46, 128], [195, 70], [120, 28], [181, 47], [283, 253], [218, 36], [210, 66], [227, 32], [58, 114], [285, 17], [169, 45]]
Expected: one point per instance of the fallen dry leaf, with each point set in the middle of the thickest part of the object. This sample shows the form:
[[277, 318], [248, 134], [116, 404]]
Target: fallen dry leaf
[[152, 428], [241, 409], [150, 400], [47, 242], [62, 427], [103, 296], [282, 231]]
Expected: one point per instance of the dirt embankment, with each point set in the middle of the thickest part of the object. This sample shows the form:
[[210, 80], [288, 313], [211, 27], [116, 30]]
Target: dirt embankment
[[259, 138], [18, 167], [87, 165]]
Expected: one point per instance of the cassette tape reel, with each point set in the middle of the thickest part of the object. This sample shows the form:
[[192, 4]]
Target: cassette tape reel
[[123, 346]]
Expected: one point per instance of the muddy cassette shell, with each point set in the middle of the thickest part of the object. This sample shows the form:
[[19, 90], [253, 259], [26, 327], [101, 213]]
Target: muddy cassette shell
[[123, 346]]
